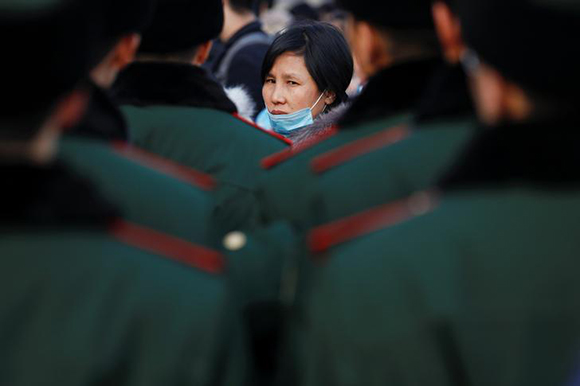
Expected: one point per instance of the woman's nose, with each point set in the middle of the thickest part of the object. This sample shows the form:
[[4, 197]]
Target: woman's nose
[[278, 95]]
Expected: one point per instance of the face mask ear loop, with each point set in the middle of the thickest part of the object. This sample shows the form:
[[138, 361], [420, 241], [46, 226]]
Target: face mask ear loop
[[318, 100]]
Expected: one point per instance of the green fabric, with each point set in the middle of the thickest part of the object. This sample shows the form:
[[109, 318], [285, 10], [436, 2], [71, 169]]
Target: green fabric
[[390, 173], [257, 269], [262, 275], [78, 308], [213, 142], [284, 192], [143, 195], [482, 291]]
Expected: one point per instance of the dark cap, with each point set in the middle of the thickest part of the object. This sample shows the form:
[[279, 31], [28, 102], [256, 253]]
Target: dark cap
[[180, 25], [48, 51], [116, 18], [531, 42], [121, 17], [397, 15]]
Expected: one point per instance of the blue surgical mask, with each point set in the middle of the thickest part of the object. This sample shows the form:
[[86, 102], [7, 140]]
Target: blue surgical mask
[[285, 123]]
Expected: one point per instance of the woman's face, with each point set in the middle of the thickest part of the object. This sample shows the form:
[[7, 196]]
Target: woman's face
[[288, 87]]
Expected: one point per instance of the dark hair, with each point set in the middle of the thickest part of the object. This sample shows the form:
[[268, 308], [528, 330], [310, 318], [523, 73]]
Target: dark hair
[[326, 53], [242, 6]]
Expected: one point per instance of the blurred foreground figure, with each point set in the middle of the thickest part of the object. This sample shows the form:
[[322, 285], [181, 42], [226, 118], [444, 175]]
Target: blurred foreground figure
[[147, 190], [87, 298], [474, 281], [178, 112]]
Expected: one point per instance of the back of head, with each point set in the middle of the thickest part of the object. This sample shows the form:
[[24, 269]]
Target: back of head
[[182, 25], [122, 17], [527, 41], [47, 49], [407, 24], [243, 6], [326, 53], [392, 15]]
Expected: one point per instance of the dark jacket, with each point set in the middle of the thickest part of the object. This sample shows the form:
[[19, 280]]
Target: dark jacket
[[245, 66]]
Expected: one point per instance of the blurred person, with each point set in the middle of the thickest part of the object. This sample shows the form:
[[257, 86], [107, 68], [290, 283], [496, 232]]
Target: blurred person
[[86, 297], [305, 73], [176, 111], [131, 179], [236, 57], [275, 20], [474, 281], [304, 12]]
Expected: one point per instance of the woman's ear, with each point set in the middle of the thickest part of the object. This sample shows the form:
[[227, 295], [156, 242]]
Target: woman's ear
[[329, 97]]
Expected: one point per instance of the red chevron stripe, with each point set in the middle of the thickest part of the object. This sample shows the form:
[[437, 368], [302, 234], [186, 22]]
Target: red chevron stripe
[[286, 154], [352, 150], [324, 237], [167, 246], [272, 133], [165, 166]]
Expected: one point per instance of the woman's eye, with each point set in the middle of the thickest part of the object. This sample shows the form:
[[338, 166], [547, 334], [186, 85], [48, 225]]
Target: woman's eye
[[292, 83], [271, 81]]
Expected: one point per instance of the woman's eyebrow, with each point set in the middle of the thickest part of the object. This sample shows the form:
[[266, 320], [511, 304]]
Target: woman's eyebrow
[[293, 75]]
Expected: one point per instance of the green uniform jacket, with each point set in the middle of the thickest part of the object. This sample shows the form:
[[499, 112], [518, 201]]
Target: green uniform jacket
[[284, 190], [84, 302], [480, 288], [137, 183], [175, 112]]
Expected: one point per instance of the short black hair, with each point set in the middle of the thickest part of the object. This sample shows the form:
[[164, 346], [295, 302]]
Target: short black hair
[[326, 53], [242, 6]]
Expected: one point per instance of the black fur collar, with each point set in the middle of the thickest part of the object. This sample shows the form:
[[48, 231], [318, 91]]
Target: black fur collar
[[103, 119], [446, 97], [49, 196], [391, 91], [173, 84], [543, 155]]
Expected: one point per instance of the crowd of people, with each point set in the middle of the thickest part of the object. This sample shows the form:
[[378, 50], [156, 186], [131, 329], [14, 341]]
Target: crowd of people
[[373, 193]]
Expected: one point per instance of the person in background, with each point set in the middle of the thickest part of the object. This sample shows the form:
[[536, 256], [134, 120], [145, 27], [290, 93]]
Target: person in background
[[305, 76], [304, 12], [237, 56]]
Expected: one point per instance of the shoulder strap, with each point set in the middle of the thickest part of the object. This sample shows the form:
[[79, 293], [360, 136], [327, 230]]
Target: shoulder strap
[[358, 148], [270, 133], [167, 246], [164, 166], [253, 38], [280, 157], [324, 237]]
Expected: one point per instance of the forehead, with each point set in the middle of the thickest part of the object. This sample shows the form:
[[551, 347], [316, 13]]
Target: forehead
[[290, 63]]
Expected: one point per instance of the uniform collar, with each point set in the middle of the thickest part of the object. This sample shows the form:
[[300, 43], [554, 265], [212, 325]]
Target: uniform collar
[[49, 196], [103, 119], [538, 154], [173, 84], [394, 90]]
